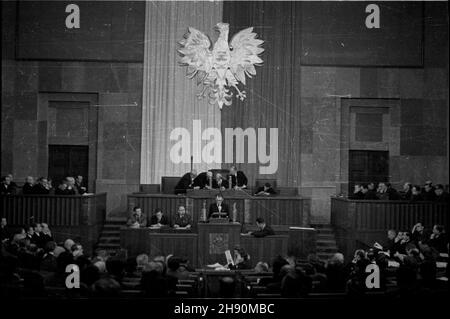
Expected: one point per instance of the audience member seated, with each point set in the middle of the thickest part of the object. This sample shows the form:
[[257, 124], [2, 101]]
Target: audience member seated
[[106, 288], [441, 195], [49, 262], [138, 219], [182, 219], [204, 180], [67, 187], [41, 188], [6, 186], [158, 219], [428, 193], [419, 235], [416, 194], [265, 190], [5, 233], [357, 192], [28, 187], [336, 273], [79, 186], [219, 182], [438, 239], [368, 194], [46, 232], [263, 229], [238, 178], [186, 182], [219, 208], [387, 192], [407, 191], [153, 282], [390, 246], [296, 284], [38, 238]]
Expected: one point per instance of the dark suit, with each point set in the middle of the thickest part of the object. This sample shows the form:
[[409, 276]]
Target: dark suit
[[184, 183], [270, 190], [444, 198], [266, 231], [239, 179], [66, 191], [79, 189], [429, 196], [213, 208], [162, 221], [38, 239], [202, 180], [370, 195], [7, 189], [27, 189], [224, 183], [49, 263], [40, 189]]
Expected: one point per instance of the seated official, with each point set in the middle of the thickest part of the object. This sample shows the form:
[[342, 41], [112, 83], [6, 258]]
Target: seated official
[[238, 178], [204, 180], [219, 182], [182, 219], [186, 182], [263, 229], [265, 190], [158, 219], [219, 208], [138, 219]]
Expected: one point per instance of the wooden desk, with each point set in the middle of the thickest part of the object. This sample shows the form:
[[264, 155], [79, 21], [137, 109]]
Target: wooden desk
[[214, 239], [209, 245], [276, 210], [158, 243]]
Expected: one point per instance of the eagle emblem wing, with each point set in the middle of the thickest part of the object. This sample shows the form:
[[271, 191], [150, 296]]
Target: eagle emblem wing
[[245, 48], [197, 56]]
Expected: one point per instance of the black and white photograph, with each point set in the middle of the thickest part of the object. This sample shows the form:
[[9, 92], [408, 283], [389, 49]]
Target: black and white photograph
[[212, 159]]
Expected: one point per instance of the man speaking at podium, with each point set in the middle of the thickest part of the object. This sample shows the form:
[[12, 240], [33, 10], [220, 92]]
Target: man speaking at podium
[[219, 208]]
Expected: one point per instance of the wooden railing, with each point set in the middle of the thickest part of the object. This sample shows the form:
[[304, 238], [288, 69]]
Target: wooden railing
[[359, 222], [77, 217]]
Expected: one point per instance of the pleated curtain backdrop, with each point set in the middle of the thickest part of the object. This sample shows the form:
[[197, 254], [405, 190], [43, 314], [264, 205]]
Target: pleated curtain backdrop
[[169, 97]]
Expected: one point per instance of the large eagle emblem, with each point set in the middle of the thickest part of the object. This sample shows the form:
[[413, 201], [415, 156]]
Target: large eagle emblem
[[223, 67]]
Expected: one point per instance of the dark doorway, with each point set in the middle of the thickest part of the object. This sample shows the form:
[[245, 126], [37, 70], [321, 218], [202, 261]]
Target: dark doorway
[[67, 160], [368, 166]]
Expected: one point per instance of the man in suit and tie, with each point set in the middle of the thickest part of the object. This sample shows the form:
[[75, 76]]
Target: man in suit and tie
[[204, 180], [238, 178], [219, 208], [219, 182], [186, 182]]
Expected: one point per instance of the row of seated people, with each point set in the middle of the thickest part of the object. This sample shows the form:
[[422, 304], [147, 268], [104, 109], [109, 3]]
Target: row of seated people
[[385, 191], [183, 220], [29, 271], [43, 186], [207, 180]]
